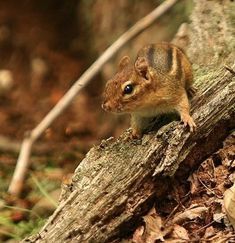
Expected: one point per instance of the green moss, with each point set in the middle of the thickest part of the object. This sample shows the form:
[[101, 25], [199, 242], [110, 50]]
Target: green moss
[[26, 228], [19, 230], [202, 74]]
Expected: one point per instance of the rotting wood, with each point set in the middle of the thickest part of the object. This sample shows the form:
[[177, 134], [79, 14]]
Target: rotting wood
[[114, 185], [22, 164]]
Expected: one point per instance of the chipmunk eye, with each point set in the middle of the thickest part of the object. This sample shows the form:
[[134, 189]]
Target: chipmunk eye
[[128, 89]]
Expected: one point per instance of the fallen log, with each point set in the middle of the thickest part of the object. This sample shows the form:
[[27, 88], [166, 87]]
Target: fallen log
[[118, 180]]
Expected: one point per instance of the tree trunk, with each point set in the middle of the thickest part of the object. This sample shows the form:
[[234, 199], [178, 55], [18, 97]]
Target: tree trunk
[[114, 185]]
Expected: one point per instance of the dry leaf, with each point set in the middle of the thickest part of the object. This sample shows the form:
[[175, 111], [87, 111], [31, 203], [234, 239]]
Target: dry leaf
[[220, 237], [175, 241], [138, 235], [191, 213], [180, 233], [210, 231], [229, 204], [218, 217], [153, 229], [194, 183]]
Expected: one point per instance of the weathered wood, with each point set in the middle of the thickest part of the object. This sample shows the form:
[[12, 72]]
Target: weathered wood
[[114, 185]]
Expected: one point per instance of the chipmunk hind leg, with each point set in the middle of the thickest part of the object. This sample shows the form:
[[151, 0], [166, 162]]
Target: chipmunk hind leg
[[188, 77]]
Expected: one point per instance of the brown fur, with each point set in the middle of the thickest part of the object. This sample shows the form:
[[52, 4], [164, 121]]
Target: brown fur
[[160, 77]]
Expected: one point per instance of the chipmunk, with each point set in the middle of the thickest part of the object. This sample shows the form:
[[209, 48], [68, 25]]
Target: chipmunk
[[159, 82]]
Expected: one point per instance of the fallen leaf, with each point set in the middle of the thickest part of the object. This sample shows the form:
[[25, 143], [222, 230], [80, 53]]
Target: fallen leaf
[[194, 183], [220, 237], [17, 216], [229, 204], [138, 234], [175, 241], [210, 231], [191, 213], [230, 140], [153, 228], [152, 231], [218, 217], [180, 233]]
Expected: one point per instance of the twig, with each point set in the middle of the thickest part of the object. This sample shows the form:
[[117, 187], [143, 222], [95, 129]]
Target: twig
[[13, 146], [23, 160], [203, 184], [8, 145], [229, 69]]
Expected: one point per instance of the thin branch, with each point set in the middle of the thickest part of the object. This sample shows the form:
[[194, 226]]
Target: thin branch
[[23, 160], [230, 69], [13, 146], [8, 145]]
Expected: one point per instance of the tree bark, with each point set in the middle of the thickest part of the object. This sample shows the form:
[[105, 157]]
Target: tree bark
[[114, 185]]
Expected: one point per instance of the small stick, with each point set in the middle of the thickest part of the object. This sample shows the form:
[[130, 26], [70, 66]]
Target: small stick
[[230, 69], [8, 145], [13, 146], [23, 159]]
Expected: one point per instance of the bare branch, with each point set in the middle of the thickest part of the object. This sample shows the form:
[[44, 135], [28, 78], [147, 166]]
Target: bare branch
[[8, 145], [23, 160], [113, 187], [13, 146]]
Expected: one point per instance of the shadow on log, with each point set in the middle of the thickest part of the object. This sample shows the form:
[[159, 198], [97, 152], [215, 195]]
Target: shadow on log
[[114, 185]]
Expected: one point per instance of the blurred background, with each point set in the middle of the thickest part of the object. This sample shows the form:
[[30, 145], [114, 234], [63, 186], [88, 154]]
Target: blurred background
[[44, 47]]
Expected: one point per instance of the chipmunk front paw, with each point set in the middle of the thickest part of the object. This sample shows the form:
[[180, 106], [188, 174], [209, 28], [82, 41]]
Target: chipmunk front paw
[[136, 134], [188, 121]]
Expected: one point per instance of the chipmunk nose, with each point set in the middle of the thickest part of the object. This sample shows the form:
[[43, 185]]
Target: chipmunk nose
[[106, 106]]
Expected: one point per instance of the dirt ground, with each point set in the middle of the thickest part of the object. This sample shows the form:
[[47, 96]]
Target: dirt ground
[[43, 52], [42, 62]]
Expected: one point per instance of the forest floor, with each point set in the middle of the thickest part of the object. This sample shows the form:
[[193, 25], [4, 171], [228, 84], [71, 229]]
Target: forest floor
[[194, 210], [43, 66]]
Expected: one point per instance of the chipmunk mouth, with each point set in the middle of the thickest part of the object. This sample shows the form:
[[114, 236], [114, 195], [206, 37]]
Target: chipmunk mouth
[[104, 107], [107, 107], [117, 110]]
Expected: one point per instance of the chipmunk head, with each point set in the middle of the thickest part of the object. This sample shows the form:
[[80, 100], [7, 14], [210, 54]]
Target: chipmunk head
[[127, 89]]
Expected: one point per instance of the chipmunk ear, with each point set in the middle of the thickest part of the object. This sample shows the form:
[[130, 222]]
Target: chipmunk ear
[[141, 67], [124, 62]]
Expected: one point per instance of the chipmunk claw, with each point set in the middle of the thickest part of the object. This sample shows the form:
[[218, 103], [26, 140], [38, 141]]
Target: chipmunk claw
[[188, 121]]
